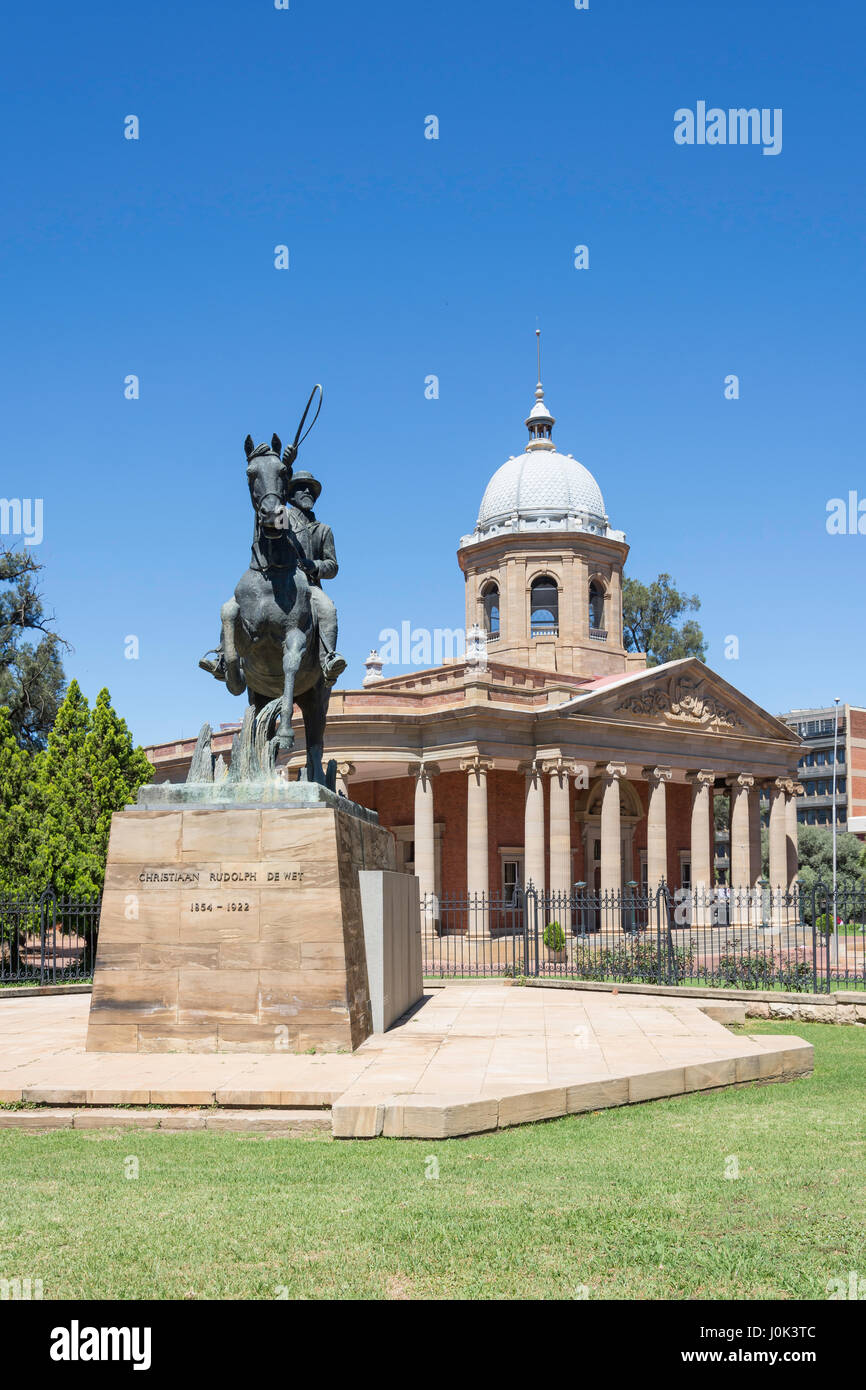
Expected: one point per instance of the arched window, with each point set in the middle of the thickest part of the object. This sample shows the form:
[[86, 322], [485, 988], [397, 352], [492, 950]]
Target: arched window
[[544, 607], [596, 606], [490, 600]]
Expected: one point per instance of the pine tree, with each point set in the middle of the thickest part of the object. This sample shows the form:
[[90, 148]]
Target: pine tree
[[58, 808], [114, 769], [62, 849], [17, 811]]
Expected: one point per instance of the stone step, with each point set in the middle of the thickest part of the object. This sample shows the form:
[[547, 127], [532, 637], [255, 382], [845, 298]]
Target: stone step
[[251, 1121]]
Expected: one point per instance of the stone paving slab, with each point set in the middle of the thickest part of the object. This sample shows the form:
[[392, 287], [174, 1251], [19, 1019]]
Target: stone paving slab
[[471, 1057]]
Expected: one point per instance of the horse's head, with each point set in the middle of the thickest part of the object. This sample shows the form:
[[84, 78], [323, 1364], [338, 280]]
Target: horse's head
[[268, 474]]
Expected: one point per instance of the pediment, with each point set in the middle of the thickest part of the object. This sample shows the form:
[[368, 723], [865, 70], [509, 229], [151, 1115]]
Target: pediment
[[684, 695]]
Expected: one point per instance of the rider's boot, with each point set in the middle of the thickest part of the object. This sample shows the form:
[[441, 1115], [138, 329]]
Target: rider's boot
[[333, 666], [214, 663]]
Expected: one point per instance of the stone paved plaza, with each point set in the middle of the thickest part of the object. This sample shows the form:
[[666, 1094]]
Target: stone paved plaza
[[470, 1057]]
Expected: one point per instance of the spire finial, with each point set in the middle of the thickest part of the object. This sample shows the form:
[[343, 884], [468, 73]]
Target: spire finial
[[539, 422]]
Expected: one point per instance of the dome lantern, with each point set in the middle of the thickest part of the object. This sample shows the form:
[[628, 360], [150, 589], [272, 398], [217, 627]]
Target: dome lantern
[[539, 421]]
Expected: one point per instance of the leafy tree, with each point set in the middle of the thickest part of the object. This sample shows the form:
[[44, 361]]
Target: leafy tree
[[816, 859], [31, 672], [17, 775], [652, 621]]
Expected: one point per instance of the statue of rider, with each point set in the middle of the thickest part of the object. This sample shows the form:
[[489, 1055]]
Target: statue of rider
[[317, 557]]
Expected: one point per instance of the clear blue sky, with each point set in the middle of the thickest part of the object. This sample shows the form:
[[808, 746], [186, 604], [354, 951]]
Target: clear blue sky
[[410, 257]]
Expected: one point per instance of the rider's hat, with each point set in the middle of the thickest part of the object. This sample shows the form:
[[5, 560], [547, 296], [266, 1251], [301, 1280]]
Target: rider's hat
[[307, 480]]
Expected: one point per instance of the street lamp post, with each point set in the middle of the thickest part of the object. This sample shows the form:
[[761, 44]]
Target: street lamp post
[[835, 774]]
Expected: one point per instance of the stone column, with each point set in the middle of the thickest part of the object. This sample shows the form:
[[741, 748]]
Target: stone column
[[477, 843], [778, 851], [657, 826], [795, 789], [560, 771], [740, 842], [778, 835], [702, 876], [533, 827], [344, 772], [611, 836], [755, 857], [425, 839]]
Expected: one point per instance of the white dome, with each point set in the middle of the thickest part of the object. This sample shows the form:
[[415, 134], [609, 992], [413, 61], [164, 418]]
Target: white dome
[[542, 489]]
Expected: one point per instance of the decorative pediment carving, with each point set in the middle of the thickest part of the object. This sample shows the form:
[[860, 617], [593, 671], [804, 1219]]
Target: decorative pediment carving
[[681, 700]]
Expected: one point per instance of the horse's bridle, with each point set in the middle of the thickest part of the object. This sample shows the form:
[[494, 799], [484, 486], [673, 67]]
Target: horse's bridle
[[290, 535]]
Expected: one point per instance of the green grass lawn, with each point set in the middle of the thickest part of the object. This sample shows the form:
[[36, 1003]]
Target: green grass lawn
[[629, 1203]]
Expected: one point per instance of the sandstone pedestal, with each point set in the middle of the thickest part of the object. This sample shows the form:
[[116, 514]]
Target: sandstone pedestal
[[235, 926]]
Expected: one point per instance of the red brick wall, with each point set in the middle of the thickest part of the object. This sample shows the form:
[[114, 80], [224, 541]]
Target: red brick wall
[[857, 765], [449, 806], [679, 811], [394, 800], [506, 796]]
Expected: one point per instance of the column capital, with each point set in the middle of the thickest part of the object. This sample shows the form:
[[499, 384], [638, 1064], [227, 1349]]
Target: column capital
[[703, 777], [476, 764], [740, 779], [346, 769], [780, 784], [799, 789], [423, 769], [531, 766], [612, 772], [657, 774], [559, 766]]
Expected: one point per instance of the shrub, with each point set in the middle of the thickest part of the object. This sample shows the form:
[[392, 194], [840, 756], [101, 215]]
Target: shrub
[[633, 960], [796, 975], [754, 970], [554, 937]]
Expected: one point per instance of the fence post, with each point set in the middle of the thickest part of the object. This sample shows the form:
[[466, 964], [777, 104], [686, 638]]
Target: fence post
[[532, 895], [47, 902], [802, 916]]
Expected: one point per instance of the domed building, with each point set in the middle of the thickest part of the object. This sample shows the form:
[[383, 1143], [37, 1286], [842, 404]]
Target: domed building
[[548, 753], [543, 567]]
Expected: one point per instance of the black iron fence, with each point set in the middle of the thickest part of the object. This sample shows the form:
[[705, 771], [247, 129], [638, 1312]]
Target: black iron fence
[[806, 940], [754, 938], [47, 939]]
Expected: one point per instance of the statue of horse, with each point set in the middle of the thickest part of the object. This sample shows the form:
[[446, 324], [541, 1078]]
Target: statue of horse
[[270, 641]]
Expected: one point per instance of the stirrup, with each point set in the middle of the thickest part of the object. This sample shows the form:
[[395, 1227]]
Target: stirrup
[[334, 668], [217, 667]]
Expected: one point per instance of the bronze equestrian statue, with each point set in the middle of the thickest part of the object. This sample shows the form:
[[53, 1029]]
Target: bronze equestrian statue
[[279, 630]]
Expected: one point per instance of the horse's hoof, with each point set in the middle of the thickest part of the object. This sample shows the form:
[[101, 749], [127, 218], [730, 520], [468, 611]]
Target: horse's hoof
[[285, 745]]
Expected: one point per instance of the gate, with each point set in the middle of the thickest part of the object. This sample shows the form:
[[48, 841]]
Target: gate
[[839, 931], [47, 939]]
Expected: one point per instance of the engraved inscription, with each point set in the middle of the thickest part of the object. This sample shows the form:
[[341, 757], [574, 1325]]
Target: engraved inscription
[[206, 875]]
